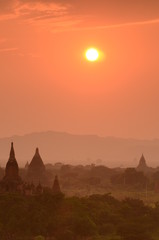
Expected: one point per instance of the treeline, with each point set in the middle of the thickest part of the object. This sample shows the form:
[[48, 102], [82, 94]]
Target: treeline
[[92, 178], [97, 217], [86, 180]]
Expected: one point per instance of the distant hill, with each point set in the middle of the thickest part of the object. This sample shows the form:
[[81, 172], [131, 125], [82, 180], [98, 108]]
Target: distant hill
[[80, 149]]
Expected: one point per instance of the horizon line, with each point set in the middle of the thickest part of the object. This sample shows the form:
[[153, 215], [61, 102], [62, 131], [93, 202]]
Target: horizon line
[[79, 134]]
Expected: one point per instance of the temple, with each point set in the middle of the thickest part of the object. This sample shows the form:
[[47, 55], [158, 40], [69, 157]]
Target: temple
[[142, 166], [11, 181], [36, 180], [56, 186], [36, 171]]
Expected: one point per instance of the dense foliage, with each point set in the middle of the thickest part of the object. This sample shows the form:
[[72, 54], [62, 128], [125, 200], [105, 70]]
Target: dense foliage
[[97, 217]]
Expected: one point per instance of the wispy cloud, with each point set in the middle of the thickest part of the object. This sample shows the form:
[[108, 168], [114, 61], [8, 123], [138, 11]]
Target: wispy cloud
[[8, 49], [64, 15], [34, 10], [146, 22], [120, 25], [31, 55], [46, 14]]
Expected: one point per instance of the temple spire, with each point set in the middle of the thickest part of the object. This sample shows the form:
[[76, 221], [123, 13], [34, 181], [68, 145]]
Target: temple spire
[[12, 171], [37, 151], [142, 166], [36, 169], [142, 162], [56, 186], [12, 153]]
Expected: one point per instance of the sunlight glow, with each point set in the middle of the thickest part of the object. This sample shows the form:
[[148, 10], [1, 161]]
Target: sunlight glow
[[92, 54]]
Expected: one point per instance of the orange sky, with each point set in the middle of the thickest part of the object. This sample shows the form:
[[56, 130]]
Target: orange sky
[[46, 83]]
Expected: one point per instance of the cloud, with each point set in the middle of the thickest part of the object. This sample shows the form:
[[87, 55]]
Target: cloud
[[18, 52], [147, 22], [64, 15], [47, 14], [31, 9], [8, 49]]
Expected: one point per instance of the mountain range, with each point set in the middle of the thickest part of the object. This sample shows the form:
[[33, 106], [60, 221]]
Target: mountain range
[[80, 149]]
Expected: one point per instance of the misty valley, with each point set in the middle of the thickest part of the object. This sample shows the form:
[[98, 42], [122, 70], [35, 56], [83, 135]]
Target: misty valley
[[76, 202]]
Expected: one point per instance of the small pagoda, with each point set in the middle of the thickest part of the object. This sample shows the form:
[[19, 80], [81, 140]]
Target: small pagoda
[[56, 186], [142, 166]]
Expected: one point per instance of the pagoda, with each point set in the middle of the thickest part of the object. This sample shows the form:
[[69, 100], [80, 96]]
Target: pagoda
[[56, 186], [142, 166], [36, 170], [11, 181]]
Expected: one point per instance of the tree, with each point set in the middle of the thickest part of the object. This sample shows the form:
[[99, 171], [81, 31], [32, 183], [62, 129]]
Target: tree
[[39, 238]]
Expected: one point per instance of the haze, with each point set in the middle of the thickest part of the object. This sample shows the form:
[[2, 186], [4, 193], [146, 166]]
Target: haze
[[46, 83]]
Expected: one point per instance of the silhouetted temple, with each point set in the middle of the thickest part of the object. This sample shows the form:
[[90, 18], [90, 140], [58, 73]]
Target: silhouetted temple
[[36, 170], [142, 162], [56, 186], [11, 180], [36, 181], [142, 166]]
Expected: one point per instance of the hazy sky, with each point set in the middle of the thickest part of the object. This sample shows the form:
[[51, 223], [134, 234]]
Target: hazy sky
[[46, 83]]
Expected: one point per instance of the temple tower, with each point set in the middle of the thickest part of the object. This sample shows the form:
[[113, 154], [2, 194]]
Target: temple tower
[[36, 170], [56, 186], [142, 163], [142, 166], [12, 169], [11, 180]]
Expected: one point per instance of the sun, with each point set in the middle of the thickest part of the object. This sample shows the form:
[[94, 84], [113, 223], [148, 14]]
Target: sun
[[92, 54]]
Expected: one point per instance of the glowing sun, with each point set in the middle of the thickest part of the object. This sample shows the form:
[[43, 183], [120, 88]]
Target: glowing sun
[[92, 54]]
